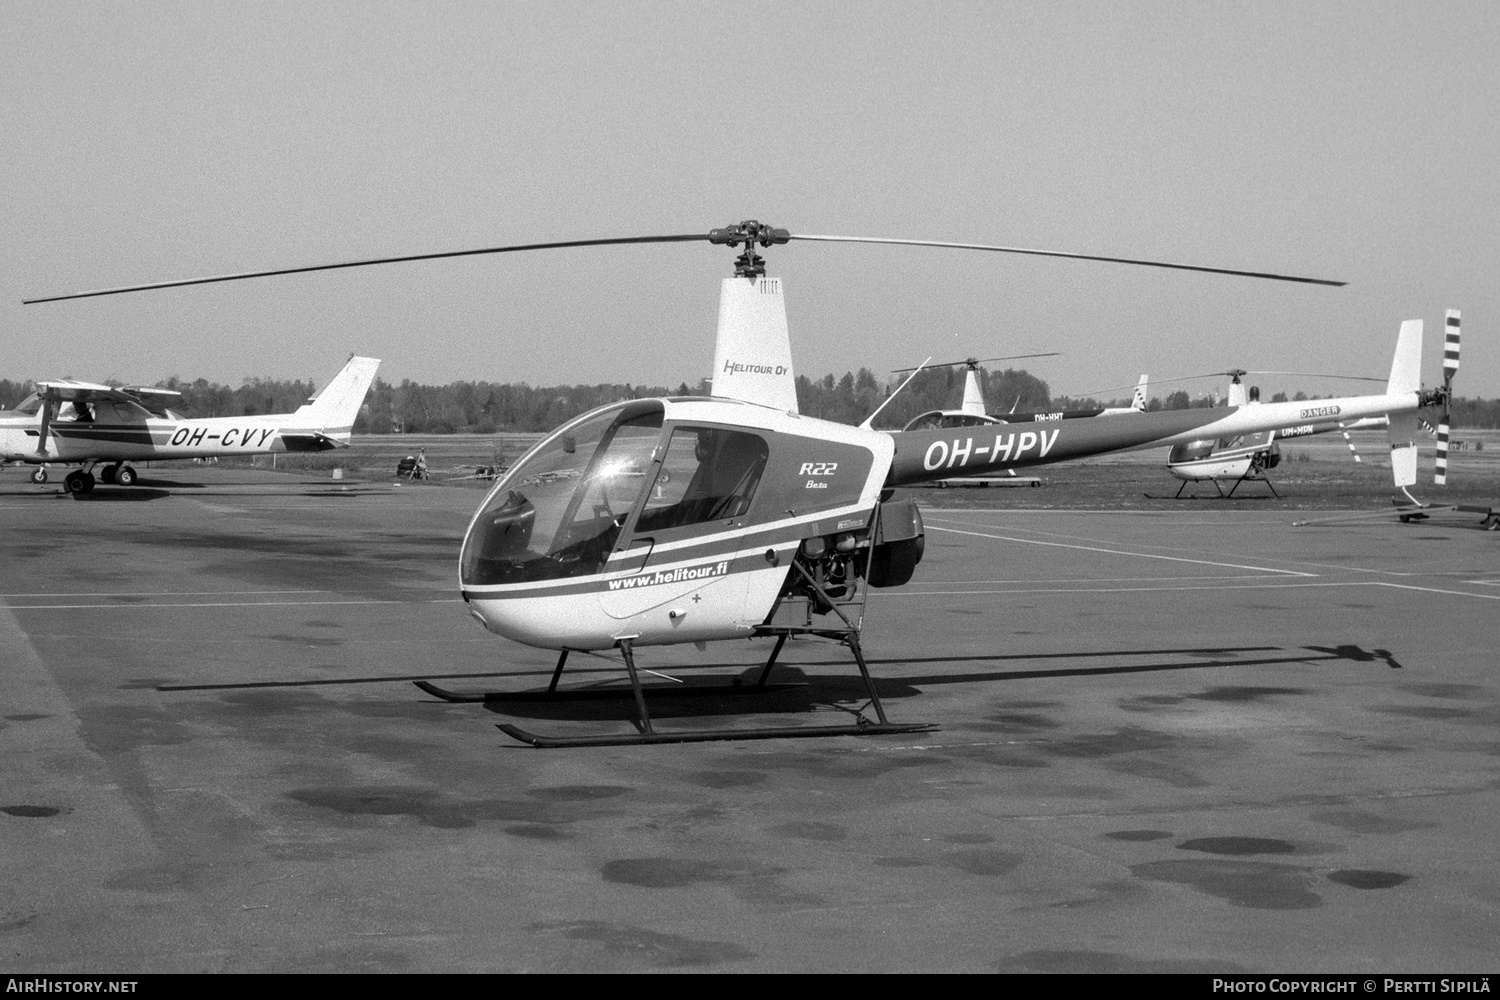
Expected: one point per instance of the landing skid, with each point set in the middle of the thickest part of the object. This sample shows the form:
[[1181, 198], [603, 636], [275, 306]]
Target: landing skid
[[1222, 495], [847, 634], [1416, 511], [714, 735], [602, 694]]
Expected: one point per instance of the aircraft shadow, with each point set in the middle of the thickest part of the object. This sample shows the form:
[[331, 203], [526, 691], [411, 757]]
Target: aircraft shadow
[[835, 684], [804, 688], [122, 495]]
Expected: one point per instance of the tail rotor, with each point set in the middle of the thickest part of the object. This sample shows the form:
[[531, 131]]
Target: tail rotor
[[1450, 368]]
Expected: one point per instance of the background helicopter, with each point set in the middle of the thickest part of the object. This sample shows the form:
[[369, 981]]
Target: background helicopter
[[1249, 457], [662, 521], [972, 411]]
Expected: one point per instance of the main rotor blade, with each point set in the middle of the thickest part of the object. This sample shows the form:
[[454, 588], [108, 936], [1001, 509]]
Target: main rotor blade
[[1351, 378], [1071, 256], [614, 241], [1189, 378], [978, 361]]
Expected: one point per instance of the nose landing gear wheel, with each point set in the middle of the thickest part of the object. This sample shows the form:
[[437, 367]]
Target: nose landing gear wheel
[[125, 476], [38, 475]]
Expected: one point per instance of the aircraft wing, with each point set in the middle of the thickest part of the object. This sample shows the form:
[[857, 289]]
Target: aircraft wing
[[148, 390], [74, 391]]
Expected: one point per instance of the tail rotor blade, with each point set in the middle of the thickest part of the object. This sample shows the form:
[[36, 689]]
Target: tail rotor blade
[[1441, 476], [1450, 345], [1450, 368]]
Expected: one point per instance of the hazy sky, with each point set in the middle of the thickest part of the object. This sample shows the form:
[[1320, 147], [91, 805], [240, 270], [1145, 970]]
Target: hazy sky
[[151, 141]]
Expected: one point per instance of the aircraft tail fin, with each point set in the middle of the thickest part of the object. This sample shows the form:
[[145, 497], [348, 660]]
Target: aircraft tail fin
[[1406, 366], [1138, 401], [973, 398], [753, 354], [1402, 433], [335, 408]]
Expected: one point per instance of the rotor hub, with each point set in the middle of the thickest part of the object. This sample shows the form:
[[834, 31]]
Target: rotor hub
[[749, 264]]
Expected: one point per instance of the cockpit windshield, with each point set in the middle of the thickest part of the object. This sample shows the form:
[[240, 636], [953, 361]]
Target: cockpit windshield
[[559, 512], [29, 405]]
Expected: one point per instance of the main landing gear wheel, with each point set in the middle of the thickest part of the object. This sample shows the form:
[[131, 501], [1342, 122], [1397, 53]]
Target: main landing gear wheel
[[39, 475], [125, 476], [107, 474], [79, 482]]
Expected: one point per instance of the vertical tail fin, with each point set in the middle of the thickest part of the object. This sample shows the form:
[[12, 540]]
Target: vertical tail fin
[[973, 398], [1406, 376], [753, 355], [1406, 365], [1402, 433], [1138, 401], [334, 409]]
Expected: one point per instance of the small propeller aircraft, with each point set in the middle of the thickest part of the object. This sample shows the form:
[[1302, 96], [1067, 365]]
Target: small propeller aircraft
[[694, 519], [67, 422]]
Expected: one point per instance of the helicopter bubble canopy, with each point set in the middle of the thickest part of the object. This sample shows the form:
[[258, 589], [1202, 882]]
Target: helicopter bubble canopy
[[559, 510]]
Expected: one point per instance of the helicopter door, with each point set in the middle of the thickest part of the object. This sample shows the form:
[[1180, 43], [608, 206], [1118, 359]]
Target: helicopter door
[[681, 543]]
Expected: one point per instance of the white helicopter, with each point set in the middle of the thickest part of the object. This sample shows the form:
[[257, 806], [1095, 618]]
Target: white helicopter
[[1249, 457], [661, 521], [68, 422]]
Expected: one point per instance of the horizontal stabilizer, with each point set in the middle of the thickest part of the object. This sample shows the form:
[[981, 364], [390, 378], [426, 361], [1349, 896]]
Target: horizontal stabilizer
[[310, 441]]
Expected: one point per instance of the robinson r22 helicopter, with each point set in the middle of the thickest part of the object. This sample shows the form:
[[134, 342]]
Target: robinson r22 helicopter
[[694, 519]]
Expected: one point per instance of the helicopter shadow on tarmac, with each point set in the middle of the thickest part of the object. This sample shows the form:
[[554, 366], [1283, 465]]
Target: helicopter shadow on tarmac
[[804, 688], [799, 688]]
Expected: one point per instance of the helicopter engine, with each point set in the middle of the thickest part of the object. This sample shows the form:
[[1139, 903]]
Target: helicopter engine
[[884, 556]]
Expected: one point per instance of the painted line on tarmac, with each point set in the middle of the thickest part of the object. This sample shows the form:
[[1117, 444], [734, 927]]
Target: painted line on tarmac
[[216, 604], [165, 593], [1123, 552], [1077, 579], [1435, 590], [1279, 585]]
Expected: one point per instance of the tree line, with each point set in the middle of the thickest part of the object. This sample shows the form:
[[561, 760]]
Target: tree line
[[492, 407]]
